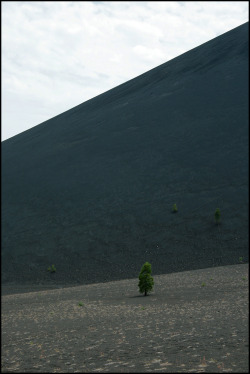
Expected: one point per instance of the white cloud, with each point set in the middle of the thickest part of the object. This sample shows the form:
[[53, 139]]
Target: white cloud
[[147, 53], [56, 55]]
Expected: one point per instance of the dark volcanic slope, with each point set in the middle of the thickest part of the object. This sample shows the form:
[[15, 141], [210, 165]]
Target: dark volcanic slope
[[91, 190]]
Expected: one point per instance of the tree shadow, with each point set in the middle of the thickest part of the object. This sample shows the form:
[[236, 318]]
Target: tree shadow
[[135, 296]]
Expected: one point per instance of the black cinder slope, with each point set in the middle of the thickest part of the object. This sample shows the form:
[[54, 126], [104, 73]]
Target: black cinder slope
[[91, 190]]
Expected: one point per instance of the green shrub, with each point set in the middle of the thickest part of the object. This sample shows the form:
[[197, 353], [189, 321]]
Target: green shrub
[[146, 281], [52, 269], [217, 215], [174, 209]]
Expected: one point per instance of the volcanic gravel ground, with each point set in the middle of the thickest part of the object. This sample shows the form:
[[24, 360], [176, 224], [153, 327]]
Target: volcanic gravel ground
[[194, 321]]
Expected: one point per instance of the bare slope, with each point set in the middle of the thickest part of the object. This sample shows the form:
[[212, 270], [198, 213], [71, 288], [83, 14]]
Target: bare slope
[[91, 190]]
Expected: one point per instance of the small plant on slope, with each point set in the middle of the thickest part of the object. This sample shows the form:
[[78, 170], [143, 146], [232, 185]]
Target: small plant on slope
[[217, 215], [146, 281], [52, 269], [174, 209]]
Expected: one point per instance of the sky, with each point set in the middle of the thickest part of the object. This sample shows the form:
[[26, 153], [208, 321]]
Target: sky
[[59, 54]]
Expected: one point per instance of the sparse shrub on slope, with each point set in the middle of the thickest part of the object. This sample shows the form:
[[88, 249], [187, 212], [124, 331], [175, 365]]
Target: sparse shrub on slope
[[52, 269], [174, 209], [217, 215]]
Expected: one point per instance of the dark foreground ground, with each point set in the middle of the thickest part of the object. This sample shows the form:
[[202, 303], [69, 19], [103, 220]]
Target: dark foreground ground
[[194, 321]]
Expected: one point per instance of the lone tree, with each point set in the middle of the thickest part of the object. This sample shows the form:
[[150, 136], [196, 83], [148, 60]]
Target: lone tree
[[146, 281], [217, 215]]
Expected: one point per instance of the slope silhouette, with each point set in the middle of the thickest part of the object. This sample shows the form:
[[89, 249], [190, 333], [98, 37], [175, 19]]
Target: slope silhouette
[[91, 190]]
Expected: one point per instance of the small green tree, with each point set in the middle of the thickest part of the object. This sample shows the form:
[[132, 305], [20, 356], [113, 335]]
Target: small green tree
[[174, 209], [217, 215], [146, 281]]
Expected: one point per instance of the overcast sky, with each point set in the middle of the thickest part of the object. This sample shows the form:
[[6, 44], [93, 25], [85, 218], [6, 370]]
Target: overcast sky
[[56, 55]]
